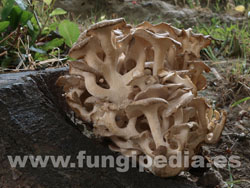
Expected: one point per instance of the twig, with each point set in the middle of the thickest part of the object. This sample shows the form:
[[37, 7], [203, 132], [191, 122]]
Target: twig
[[20, 63], [3, 53], [17, 35], [226, 61], [204, 61], [248, 88], [7, 37], [216, 74], [50, 61]]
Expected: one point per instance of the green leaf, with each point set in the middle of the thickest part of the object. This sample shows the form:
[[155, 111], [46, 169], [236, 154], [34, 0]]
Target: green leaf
[[57, 12], [7, 7], [69, 31], [34, 34], [45, 31], [21, 4], [51, 27], [240, 101], [48, 2], [53, 44], [34, 23], [33, 29], [25, 17], [15, 16], [40, 57], [4, 25]]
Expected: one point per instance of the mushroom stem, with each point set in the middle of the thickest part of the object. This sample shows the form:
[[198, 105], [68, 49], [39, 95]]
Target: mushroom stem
[[159, 60], [154, 124]]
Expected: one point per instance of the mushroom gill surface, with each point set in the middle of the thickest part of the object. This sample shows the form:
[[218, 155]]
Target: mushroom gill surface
[[138, 86]]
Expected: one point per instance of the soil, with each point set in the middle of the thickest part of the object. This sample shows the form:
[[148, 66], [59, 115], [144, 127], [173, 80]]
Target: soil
[[235, 139]]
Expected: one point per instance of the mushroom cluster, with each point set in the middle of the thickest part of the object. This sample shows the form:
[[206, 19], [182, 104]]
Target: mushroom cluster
[[138, 86]]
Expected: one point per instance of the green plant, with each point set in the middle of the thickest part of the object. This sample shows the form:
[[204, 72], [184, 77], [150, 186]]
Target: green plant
[[228, 40], [232, 183], [217, 6], [240, 101], [241, 2], [190, 3], [69, 31], [32, 32]]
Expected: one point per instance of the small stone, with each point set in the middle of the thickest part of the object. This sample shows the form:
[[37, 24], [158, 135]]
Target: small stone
[[212, 178], [240, 8], [246, 122], [243, 113], [242, 135]]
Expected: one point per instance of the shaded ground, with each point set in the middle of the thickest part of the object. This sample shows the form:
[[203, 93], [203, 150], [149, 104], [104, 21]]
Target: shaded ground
[[235, 139]]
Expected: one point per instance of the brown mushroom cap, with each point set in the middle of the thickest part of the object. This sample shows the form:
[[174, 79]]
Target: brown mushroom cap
[[136, 108], [156, 90], [106, 23]]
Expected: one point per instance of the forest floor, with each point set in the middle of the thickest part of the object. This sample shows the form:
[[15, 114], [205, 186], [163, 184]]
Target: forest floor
[[223, 88]]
